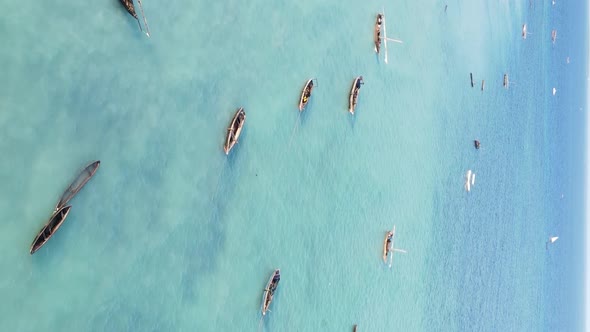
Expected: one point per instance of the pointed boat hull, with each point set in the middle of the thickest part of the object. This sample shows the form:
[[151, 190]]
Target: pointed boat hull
[[386, 245], [235, 130], [305, 94], [271, 287], [128, 4], [83, 177], [50, 228], [377, 35], [353, 96]]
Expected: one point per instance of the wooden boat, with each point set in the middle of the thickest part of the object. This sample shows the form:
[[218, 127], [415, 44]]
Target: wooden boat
[[79, 182], [354, 93], [483, 84], [471, 76], [305, 94], [506, 82], [234, 130], [50, 228], [377, 36], [269, 291], [387, 245], [128, 4], [476, 143]]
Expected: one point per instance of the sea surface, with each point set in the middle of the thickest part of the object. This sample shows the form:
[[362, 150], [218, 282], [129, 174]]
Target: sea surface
[[173, 235]]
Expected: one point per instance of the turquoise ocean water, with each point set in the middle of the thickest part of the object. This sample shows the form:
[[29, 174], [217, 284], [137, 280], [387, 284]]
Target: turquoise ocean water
[[172, 235]]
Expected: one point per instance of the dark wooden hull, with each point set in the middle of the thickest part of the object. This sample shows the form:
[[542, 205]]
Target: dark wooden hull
[[235, 130], [305, 94], [83, 177], [128, 4], [377, 35], [353, 97], [271, 287], [50, 228]]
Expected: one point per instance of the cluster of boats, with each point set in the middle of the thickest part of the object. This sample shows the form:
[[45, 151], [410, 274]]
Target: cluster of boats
[[62, 210], [235, 127]]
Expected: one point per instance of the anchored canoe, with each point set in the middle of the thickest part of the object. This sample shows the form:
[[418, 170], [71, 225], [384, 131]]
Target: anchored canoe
[[387, 245], [234, 130], [50, 228], [79, 182], [354, 93], [271, 287], [377, 36], [305, 94]]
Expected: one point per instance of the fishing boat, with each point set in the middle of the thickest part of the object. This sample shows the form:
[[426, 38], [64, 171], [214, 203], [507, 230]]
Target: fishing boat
[[387, 245], [234, 130], [377, 36], [354, 94], [388, 248], [554, 91], [471, 76], [483, 84], [553, 35], [50, 228], [130, 7], [305, 94], [381, 25], [476, 144], [506, 82], [82, 178], [524, 31], [354, 328], [269, 291]]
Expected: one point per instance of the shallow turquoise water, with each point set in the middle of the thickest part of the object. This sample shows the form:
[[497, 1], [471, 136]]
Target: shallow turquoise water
[[172, 235]]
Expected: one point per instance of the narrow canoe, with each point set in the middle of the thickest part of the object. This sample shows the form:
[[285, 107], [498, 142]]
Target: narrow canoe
[[354, 93], [387, 245], [270, 289], [377, 35], [305, 94], [83, 177], [50, 228], [234, 130]]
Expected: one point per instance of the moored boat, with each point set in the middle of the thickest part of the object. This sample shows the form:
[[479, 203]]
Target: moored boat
[[269, 291], [387, 245], [377, 36], [82, 178], [305, 94], [234, 130], [50, 228], [354, 93]]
